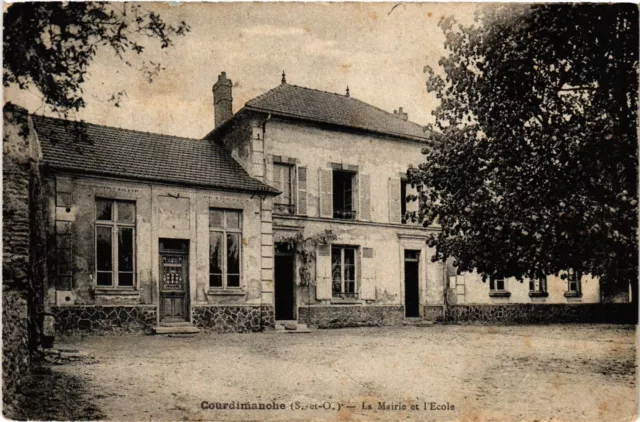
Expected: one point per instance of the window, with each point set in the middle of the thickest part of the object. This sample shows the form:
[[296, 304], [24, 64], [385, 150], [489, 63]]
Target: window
[[225, 248], [115, 243], [498, 287], [408, 209], [343, 194], [64, 256], [574, 285], [343, 271], [283, 177], [538, 287]]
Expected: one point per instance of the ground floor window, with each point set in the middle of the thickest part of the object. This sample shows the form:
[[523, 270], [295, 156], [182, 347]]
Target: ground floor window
[[498, 287], [225, 248], [343, 271], [538, 287], [574, 285], [115, 243]]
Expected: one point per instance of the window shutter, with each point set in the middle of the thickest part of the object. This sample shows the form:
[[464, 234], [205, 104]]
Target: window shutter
[[367, 275], [277, 177], [326, 193], [302, 190], [365, 197], [323, 273], [394, 201]]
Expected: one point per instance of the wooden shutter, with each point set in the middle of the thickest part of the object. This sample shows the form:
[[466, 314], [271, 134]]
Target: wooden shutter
[[395, 208], [368, 275], [326, 193], [302, 190], [323, 273], [365, 197], [277, 177]]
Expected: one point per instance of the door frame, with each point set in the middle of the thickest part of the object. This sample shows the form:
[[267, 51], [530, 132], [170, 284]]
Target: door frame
[[187, 285], [415, 242], [294, 259], [418, 281]]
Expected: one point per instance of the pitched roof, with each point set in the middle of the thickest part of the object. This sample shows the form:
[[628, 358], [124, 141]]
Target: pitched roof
[[325, 107], [127, 153]]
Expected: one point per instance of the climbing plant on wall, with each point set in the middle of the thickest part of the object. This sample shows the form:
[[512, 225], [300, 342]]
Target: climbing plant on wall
[[305, 248]]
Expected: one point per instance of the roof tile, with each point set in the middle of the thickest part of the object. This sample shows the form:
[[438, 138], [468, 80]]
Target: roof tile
[[132, 154]]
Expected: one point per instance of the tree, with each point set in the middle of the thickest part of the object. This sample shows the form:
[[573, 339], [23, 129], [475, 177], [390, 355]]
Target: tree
[[50, 45], [534, 166]]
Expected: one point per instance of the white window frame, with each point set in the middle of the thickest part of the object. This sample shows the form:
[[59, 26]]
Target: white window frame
[[493, 285], [114, 225], [356, 272], [224, 230], [292, 188]]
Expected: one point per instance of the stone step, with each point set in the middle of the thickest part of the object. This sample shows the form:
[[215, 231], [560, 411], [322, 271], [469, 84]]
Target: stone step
[[175, 324], [183, 329], [292, 327], [417, 322]]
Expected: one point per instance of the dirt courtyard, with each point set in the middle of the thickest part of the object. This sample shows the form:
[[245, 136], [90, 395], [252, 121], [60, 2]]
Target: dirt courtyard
[[560, 372]]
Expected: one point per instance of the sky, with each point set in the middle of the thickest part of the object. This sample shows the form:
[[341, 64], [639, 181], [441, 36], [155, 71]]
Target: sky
[[378, 52]]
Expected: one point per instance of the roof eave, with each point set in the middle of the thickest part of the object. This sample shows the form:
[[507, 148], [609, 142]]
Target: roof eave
[[268, 190]]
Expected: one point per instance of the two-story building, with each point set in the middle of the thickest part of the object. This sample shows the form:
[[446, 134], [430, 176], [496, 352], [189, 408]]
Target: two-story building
[[291, 209], [340, 164]]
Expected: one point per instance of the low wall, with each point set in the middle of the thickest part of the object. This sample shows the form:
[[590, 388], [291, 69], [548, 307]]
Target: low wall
[[233, 318], [342, 316], [104, 319], [15, 353], [604, 313]]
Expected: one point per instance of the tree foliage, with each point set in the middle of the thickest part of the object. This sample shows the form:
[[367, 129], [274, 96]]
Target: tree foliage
[[50, 45], [534, 165]]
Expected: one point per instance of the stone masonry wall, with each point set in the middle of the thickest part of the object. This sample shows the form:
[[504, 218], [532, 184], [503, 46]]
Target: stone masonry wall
[[120, 319], [608, 313], [15, 356], [228, 318], [350, 316], [22, 287]]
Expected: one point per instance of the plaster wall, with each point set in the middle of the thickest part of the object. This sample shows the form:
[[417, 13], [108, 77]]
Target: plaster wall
[[472, 290], [162, 211]]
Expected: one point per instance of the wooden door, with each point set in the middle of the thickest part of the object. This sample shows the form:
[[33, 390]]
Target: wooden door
[[174, 285]]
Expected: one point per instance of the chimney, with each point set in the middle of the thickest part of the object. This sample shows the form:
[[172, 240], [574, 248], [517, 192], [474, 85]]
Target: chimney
[[401, 114], [222, 99]]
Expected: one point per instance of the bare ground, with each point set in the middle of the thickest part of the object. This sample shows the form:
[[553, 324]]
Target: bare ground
[[560, 372]]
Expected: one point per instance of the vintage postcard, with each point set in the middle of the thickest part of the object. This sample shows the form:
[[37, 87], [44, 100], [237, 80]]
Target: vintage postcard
[[320, 211]]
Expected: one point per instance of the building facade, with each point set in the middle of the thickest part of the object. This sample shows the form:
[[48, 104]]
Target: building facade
[[292, 209]]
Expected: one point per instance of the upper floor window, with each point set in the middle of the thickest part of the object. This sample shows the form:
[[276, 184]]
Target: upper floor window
[[343, 271], [115, 243], [283, 180], [225, 248], [343, 194]]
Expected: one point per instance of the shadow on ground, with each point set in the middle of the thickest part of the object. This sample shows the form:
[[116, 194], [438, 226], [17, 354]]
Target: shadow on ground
[[47, 394]]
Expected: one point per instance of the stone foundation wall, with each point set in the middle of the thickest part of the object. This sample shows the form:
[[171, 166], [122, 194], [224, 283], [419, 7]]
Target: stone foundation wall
[[104, 319], [604, 313], [432, 313], [351, 316], [15, 352], [232, 318]]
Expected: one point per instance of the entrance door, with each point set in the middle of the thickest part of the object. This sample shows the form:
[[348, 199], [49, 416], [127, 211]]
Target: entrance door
[[411, 289], [174, 280], [284, 267]]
